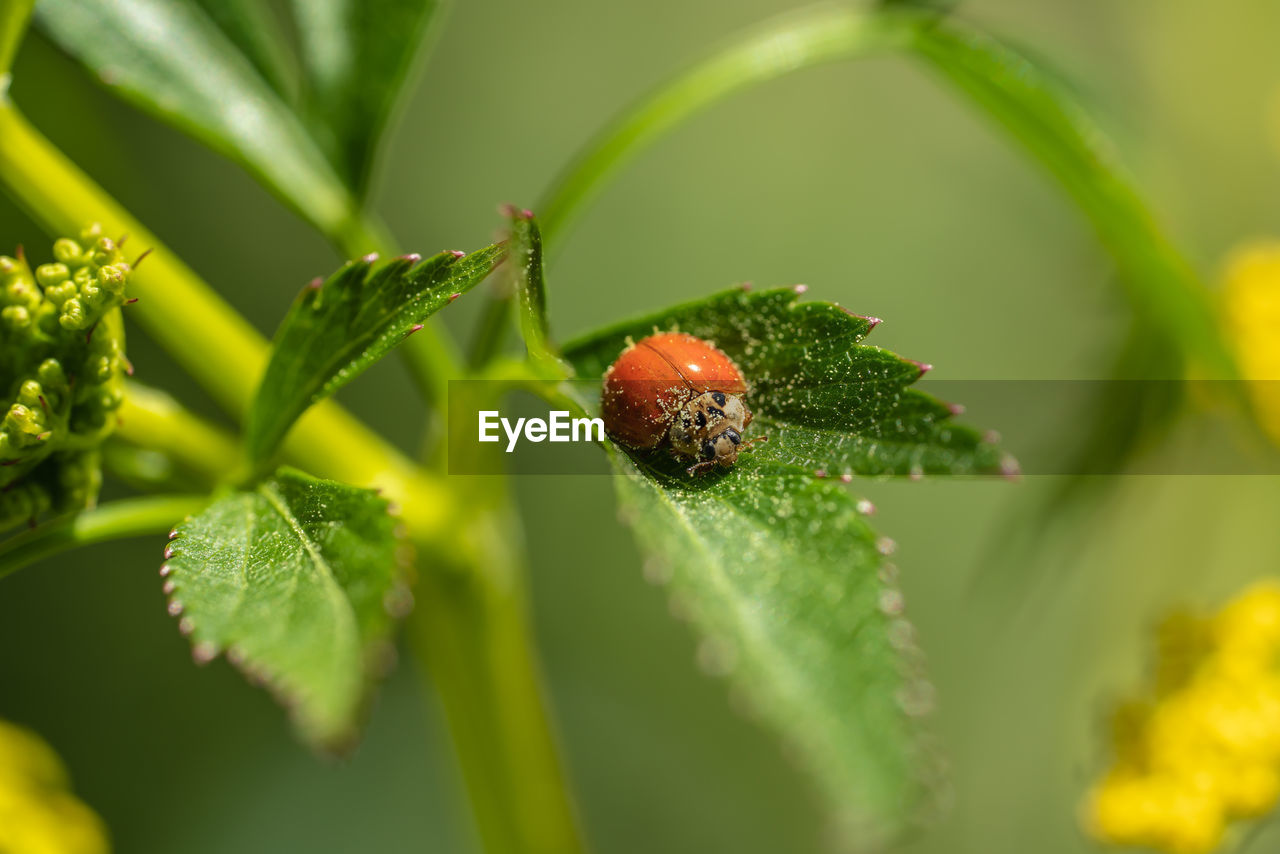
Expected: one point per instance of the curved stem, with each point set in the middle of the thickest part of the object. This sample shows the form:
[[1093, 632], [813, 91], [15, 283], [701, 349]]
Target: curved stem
[[1022, 100], [796, 41], [134, 517], [152, 419]]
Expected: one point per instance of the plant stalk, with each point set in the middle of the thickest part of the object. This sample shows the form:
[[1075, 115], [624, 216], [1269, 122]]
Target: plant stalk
[[471, 633], [119, 519], [206, 336]]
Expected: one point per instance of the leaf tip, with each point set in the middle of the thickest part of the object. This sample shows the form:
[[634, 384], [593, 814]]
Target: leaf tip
[[457, 253], [412, 257], [800, 289], [454, 296], [955, 408], [175, 606], [865, 507], [923, 367]]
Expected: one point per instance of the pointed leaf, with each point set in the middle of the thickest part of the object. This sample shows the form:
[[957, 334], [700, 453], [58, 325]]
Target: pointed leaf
[[171, 59], [357, 55], [293, 581], [825, 401], [338, 328], [773, 560], [795, 602]]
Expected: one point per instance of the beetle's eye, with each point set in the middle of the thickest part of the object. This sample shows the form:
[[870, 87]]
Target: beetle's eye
[[718, 397], [733, 436], [708, 449]]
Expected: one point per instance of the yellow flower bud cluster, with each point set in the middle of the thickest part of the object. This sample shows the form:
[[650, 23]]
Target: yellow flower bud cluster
[[1205, 750], [1251, 312], [37, 813], [62, 366]]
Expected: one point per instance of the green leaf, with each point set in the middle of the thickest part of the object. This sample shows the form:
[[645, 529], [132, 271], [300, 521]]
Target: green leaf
[[773, 560], [826, 402], [794, 600], [356, 55], [338, 328], [171, 59], [254, 29], [294, 581]]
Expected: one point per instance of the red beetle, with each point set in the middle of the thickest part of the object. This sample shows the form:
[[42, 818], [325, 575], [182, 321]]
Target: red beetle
[[677, 388]]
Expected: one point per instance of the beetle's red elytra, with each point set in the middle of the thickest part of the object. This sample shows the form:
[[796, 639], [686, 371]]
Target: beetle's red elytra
[[679, 389]]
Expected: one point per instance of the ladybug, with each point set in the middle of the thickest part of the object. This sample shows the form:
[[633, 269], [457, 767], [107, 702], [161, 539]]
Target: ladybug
[[677, 388]]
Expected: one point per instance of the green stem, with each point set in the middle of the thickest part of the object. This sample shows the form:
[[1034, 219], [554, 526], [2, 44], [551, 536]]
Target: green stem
[[152, 419], [117, 520], [471, 633], [14, 15], [204, 334], [797, 41]]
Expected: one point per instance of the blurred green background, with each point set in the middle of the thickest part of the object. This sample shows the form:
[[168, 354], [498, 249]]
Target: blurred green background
[[868, 182]]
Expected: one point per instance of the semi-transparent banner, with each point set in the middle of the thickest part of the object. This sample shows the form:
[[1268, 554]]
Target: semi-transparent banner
[[1050, 427]]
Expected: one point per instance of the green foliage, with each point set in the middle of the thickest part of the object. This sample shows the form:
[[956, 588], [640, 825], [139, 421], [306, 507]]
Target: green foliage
[[338, 328], [795, 601], [223, 72], [296, 580], [356, 55], [170, 58], [787, 583], [62, 367], [526, 264], [826, 401], [255, 31]]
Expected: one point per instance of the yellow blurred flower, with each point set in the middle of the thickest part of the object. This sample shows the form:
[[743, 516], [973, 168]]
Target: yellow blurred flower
[[1205, 751], [37, 813], [1251, 312]]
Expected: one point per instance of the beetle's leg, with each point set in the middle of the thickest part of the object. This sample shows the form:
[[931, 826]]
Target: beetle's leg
[[696, 468]]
